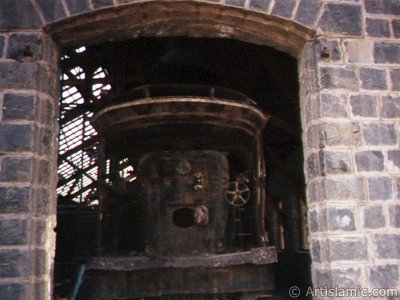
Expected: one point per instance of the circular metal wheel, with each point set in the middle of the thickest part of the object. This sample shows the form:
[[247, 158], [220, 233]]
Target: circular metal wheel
[[237, 193]]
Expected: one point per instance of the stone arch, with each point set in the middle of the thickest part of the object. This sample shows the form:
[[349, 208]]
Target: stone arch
[[181, 18]]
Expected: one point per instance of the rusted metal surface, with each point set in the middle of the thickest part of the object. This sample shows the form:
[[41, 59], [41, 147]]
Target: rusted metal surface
[[188, 219]]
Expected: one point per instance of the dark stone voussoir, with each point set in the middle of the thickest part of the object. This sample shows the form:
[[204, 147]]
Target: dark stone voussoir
[[307, 11], [389, 7], [102, 3], [77, 6], [16, 137], [342, 19], [284, 8], [260, 4], [18, 15], [240, 3], [52, 10]]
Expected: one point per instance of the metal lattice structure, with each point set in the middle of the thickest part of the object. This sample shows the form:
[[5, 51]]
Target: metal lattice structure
[[81, 89]]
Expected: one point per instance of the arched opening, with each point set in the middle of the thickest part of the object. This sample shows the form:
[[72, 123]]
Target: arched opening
[[95, 75], [231, 48]]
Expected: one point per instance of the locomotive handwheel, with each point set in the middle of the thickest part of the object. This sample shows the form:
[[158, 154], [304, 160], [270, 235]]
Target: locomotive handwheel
[[237, 193]]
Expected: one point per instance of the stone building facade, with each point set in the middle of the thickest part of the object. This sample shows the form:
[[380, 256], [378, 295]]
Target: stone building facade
[[348, 55]]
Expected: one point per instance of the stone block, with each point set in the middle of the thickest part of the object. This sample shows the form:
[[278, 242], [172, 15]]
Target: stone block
[[341, 219], [47, 145], [14, 291], [17, 169], [45, 204], [16, 138], [379, 134], [378, 28], [348, 249], [322, 278], [334, 105], [380, 188], [387, 246], [373, 79], [390, 107], [347, 277], [18, 15], [284, 8], [396, 28], [395, 78], [260, 4], [344, 188], [14, 263], [2, 43], [316, 252], [367, 161], [328, 50], [45, 172], [41, 262], [102, 3], [13, 232], [313, 221], [335, 162], [343, 19], [314, 192], [313, 137], [394, 216], [336, 134], [307, 11], [18, 107], [338, 78], [359, 51], [384, 276], [389, 7], [77, 6], [16, 75], [48, 115], [40, 232], [312, 166], [25, 47], [52, 10], [363, 106], [312, 109], [374, 217], [14, 199], [387, 52]]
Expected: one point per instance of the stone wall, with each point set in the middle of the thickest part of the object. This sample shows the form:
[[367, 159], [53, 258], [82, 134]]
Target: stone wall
[[349, 70]]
